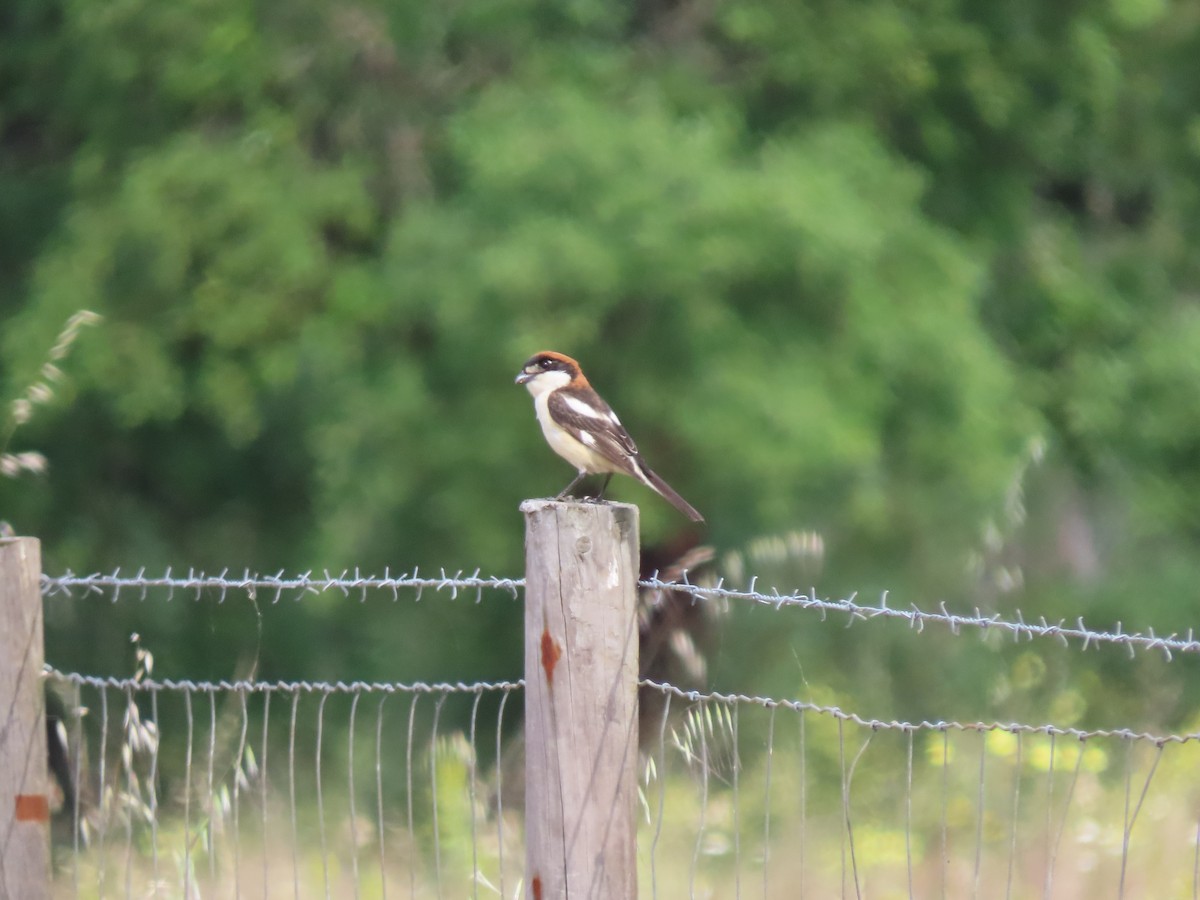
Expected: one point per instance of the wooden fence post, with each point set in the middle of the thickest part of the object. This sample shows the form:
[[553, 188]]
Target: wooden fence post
[[24, 803], [581, 668]]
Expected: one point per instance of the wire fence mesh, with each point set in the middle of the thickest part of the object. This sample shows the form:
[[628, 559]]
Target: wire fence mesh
[[286, 789], [317, 789]]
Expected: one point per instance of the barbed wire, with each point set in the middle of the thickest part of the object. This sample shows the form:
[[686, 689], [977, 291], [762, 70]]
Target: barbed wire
[[918, 618], [251, 583], [348, 583]]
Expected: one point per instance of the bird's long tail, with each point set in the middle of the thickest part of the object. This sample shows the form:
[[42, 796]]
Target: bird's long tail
[[668, 493]]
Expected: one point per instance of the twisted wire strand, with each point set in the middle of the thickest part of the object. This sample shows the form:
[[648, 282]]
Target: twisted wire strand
[[836, 712], [281, 687], [691, 696]]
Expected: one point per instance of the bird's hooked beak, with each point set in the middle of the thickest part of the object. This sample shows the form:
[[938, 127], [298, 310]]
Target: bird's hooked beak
[[522, 377]]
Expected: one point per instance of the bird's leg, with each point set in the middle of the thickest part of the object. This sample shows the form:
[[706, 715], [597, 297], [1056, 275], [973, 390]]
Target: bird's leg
[[565, 491], [603, 486], [598, 497]]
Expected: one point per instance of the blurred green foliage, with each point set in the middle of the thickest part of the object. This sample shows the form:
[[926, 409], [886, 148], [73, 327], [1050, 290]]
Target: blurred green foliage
[[838, 265]]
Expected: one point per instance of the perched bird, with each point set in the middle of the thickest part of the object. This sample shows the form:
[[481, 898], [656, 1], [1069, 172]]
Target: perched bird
[[582, 429]]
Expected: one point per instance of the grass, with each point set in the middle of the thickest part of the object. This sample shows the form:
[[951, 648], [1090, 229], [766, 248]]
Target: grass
[[38, 392], [951, 814]]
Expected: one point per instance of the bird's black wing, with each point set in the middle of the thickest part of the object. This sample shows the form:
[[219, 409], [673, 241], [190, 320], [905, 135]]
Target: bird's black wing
[[587, 418], [584, 412]]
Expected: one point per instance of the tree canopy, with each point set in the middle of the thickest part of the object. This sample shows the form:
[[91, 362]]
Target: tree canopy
[[839, 265]]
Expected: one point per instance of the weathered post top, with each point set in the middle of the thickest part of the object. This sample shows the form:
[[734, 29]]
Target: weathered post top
[[581, 667]]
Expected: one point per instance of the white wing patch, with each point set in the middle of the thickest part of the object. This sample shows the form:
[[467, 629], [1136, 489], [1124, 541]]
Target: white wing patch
[[583, 409], [586, 438]]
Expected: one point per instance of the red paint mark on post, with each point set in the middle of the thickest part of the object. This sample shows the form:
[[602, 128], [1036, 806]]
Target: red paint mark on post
[[32, 808], [551, 654], [536, 884]]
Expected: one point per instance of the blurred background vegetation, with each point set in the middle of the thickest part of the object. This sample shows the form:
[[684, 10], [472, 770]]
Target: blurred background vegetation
[[918, 277]]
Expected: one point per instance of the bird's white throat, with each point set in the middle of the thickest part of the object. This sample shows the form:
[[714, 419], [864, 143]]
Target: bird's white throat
[[546, 382]]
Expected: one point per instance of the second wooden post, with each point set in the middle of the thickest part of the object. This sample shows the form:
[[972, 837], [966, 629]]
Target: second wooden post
[[581, 669]]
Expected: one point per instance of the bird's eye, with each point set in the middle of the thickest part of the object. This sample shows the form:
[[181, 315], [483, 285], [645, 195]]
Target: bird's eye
[[546, 363]]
